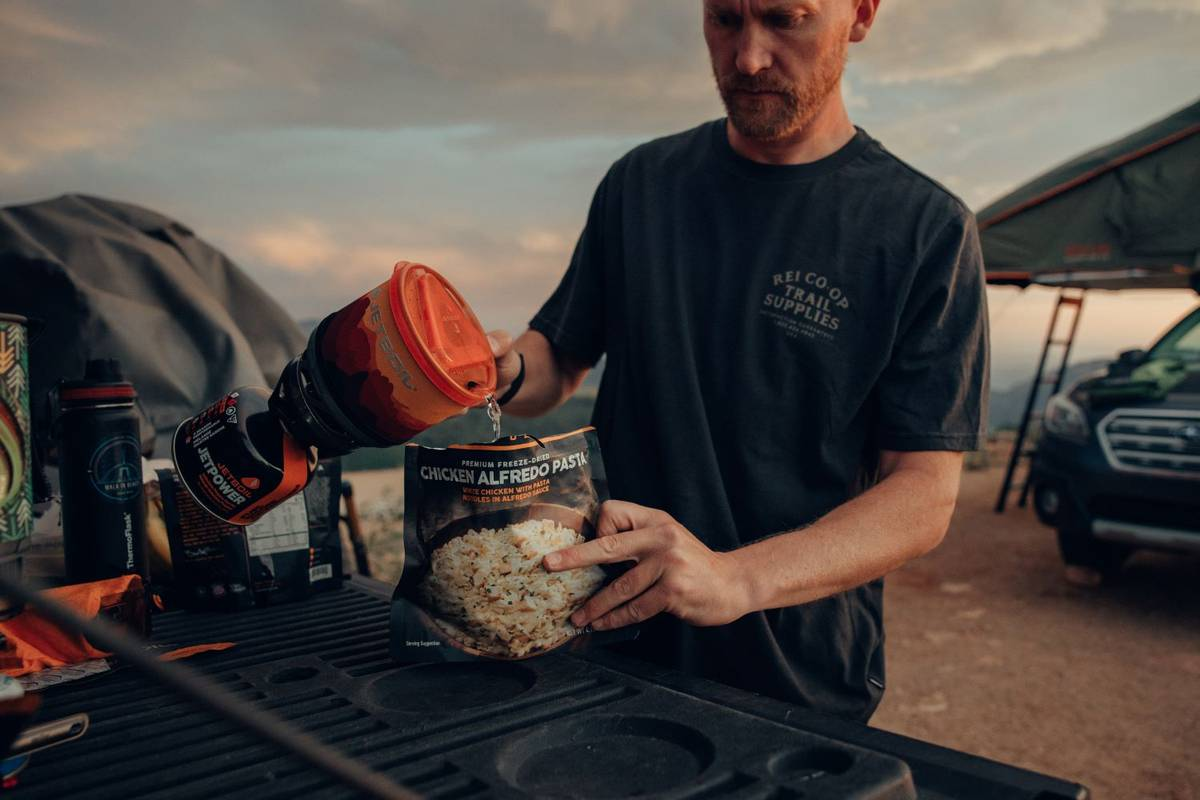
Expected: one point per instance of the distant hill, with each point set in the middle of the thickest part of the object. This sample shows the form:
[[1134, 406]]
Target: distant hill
[[1005, 413], [592, 382], [1007, 405]]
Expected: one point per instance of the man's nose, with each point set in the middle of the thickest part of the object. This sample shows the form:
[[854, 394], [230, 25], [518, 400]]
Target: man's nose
[[753, 50]]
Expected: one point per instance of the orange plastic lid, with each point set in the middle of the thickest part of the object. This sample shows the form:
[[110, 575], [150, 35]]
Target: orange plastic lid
[[442, 334]]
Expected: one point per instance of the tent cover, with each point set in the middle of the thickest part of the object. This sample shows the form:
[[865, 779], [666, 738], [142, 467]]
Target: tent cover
[[103, 279], [1122, 216]]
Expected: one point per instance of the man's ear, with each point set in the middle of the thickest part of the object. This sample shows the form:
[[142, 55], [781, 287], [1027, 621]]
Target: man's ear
[[864, 18]]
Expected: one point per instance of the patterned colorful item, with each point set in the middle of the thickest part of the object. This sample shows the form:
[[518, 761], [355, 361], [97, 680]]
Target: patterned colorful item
[[16, 485]]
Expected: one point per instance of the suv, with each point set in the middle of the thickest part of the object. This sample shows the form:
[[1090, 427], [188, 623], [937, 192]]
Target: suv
[[1118, 464]]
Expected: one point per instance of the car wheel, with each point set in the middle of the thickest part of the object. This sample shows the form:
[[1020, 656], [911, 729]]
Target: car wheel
[[1081, 549]]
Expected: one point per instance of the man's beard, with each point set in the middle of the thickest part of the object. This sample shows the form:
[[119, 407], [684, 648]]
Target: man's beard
[[776, 116]]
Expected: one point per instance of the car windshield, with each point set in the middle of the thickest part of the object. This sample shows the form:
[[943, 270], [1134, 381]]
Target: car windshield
[[1182, 343]]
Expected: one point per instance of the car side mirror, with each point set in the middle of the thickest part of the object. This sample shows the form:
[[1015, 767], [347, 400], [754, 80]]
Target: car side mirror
[[1131, 358], [1127, 361]]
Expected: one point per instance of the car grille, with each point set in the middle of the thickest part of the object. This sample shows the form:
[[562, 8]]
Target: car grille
[[1152, 441]]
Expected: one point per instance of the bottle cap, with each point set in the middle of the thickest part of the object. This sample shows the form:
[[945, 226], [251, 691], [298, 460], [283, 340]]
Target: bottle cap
[[442, 334], [103, 383]]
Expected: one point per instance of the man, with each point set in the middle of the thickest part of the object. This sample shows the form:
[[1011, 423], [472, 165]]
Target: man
[[795, 332]]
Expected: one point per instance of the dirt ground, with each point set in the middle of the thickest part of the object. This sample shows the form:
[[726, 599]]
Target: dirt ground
[[990, 652]]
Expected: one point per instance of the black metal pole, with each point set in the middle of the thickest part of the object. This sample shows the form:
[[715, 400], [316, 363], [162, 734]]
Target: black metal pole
[[191, 684], [1014, 458], [354, 529]]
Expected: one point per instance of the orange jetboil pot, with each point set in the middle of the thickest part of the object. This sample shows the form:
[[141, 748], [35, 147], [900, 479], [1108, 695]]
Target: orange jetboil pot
[[401, 358]]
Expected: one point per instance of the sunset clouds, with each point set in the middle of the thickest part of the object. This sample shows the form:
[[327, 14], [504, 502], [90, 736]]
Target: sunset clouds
[[88, 77], [317, 142]]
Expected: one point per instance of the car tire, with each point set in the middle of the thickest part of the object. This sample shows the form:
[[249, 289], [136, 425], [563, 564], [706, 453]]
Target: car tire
[[1081, 549]]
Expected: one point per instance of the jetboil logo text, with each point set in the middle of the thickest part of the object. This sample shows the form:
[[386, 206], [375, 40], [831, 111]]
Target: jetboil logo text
[[805, 303], [375, 323]]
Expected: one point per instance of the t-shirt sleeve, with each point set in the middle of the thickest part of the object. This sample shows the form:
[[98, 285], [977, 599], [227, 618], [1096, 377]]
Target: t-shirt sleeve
[[933, 393], [573, 318]]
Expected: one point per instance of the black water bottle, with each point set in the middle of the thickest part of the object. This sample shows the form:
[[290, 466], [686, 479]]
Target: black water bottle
[[100, 472]]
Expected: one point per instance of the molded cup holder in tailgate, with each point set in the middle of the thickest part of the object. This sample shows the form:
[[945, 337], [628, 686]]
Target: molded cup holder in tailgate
[[437, 688], [605, 756]]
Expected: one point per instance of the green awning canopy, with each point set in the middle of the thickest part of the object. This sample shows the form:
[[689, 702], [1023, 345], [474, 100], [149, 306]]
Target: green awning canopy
[[1122, 216]]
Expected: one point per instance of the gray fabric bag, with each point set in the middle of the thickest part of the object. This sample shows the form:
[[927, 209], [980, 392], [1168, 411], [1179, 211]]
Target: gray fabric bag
[[110, 279]]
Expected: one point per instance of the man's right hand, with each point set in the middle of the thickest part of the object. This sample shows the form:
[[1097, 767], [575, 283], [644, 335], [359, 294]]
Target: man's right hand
[[508, 363], [549, 378]]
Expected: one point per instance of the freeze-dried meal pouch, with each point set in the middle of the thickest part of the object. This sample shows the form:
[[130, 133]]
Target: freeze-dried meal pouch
[[478, 520]]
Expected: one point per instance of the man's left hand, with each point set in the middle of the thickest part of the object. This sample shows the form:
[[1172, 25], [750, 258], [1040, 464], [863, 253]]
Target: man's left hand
[[674, 571]]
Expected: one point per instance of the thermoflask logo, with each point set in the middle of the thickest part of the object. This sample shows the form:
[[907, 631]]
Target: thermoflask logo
[[115, 468]]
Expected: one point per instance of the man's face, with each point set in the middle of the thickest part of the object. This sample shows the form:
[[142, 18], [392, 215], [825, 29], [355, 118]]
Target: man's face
[[776, 61]]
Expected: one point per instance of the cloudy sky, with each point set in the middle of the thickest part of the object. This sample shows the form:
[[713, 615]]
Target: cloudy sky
[[318, 142]]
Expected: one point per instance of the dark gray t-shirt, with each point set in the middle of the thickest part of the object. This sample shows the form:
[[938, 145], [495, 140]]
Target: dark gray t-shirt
[[768, 330]]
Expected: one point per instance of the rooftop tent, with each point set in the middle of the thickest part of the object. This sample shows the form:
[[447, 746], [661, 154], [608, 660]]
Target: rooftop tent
[[1122, 216], [113, 280]]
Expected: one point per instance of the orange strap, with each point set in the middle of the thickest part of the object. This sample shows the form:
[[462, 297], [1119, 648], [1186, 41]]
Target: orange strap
[[196, 649]]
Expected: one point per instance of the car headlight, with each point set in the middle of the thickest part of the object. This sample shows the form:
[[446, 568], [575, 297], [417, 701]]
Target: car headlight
[[1064, 418]]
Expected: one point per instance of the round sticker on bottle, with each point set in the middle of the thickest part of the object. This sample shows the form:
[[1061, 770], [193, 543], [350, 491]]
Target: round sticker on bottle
[[116, 468]]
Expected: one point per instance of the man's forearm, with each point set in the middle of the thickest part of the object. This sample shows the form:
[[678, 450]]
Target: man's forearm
[[549, 378], [901, 518]]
